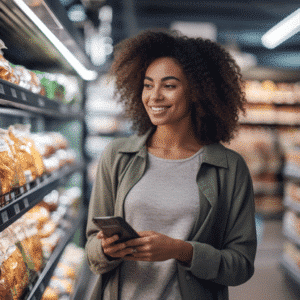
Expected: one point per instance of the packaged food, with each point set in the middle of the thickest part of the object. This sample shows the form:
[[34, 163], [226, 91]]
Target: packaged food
[[40, 214], [5, 292], [13, 269], [50, 294], [64, 271], [61, 286], [58, 140], [11, 174], [22, 132], [51, 201], [6, 71], [22, 153]]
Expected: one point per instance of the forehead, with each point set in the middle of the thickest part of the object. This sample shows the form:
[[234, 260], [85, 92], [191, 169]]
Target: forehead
[[164, 66]]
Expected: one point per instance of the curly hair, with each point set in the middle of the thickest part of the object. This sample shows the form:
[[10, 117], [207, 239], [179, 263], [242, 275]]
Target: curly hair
[[215, 81]]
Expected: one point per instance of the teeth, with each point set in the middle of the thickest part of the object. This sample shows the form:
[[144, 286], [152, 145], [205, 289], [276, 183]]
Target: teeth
[[158, 108]]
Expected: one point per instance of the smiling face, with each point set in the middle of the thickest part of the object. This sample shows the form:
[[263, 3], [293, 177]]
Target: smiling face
[[165, 92]]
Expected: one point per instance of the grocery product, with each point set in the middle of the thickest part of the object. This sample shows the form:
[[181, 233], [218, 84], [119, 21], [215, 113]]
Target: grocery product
[[22, 132], [22, 154], [50, 294], [6, 71]]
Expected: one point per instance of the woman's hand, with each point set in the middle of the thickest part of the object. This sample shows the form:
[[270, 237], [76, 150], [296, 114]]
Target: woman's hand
[[154, 246], [112, 250]]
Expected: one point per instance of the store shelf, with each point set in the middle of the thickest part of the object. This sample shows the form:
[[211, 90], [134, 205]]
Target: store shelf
[[289, 203], [289, 267], [292, 172], [36, 191], [69, 230], [15, 96], [292, 236]]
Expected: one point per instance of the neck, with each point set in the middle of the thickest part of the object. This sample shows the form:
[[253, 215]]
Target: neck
[[174, 136]]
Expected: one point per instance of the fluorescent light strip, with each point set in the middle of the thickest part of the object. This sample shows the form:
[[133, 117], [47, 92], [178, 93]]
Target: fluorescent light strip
[[82, 71], [282, 31]]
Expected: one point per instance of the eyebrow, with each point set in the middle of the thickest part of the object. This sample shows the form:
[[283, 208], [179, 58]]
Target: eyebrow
[[163, 79]]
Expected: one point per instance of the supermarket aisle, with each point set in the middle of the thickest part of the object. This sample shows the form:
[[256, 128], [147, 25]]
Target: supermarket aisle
[[268, 281]]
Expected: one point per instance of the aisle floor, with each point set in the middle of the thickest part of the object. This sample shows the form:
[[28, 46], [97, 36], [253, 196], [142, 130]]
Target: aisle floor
[[268, 281]]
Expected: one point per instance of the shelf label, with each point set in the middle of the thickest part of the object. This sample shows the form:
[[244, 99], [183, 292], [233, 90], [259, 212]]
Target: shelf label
[[26, 203], [12, 194], [27, 186], [23, 95], [42, 287], [14, 93], [21, 189], [63, 109], [4, 216], [41, 102], [17, 208], [7, 197], [2, 89]]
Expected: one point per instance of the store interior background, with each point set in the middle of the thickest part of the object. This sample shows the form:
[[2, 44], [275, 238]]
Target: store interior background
[[268, 139]]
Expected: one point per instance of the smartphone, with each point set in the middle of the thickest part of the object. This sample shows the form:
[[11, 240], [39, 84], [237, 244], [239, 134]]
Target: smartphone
[[116, 225]]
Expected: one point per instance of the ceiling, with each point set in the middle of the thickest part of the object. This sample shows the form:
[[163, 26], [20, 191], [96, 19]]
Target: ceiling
[[241, 23]]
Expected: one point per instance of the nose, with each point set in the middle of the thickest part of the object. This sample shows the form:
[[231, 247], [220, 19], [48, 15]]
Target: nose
[[155, 94]]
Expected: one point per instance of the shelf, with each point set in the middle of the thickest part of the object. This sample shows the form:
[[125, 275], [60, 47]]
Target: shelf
[[14, 96], [292, 205], [39, 287], [35, 193], [292, 236], [292, 172], [290, 268]]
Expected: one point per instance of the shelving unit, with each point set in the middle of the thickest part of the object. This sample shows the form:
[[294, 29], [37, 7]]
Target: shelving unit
[[17, 104]]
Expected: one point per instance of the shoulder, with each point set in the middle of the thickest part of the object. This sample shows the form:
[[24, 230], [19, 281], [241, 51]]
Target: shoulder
[[122, 146]]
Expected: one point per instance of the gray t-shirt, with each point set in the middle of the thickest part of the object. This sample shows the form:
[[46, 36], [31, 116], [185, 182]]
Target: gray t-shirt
[[165, 200]]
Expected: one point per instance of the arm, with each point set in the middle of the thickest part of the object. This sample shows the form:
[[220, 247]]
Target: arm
[[234, 263], [101, 204]]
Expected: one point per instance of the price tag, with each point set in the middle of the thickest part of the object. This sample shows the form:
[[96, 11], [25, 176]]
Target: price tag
[[63, 109], [12, 194], [38, 181], [21, 189], [41, 102], [23, 95], [26, 203], [7, 197], [4, 216], [2, 89], [27, 186], [17, 208], [13, 93], [42, 287]]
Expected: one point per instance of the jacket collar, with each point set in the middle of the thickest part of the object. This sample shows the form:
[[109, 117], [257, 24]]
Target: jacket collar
[[213, 154]]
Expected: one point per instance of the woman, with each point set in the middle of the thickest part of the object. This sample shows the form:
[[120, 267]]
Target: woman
[[189, 197]]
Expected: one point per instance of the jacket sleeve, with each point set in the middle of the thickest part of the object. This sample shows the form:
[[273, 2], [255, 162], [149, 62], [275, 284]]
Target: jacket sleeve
[[234, 263], [101, 204]]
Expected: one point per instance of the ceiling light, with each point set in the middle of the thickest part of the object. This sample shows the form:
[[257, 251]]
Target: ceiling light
[[76, 13], [82, 71], [282, 31], [106, 14]]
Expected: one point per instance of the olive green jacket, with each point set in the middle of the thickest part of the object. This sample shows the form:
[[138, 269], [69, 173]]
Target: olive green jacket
[[223, 238]]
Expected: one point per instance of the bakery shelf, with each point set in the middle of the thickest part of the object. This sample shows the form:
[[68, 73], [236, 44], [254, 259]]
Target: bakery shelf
[[292, 172], [289, 203], [37, 290], [36, 191], [12, 95], [291, 236], [289, 267]]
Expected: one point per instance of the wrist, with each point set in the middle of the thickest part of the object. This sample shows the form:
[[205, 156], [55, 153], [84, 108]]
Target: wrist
[[184, 253]]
